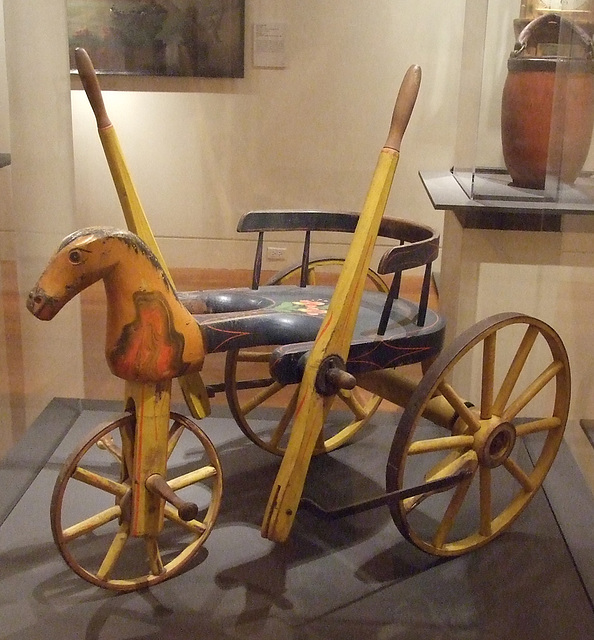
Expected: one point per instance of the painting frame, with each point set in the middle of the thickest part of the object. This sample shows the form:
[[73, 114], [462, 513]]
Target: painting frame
[[174, 38]]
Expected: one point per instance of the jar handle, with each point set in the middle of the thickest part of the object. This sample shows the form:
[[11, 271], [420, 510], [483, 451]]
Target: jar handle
[[531, 30]]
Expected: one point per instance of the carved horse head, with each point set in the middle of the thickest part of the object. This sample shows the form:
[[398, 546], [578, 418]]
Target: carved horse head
[[150, 335]]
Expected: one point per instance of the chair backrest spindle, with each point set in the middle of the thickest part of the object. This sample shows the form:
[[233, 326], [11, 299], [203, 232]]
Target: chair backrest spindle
[[258, 261], [393, 294], [424, 300], [305, 260]]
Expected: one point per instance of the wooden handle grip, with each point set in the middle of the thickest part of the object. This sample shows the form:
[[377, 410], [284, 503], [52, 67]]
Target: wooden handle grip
[[405, 102], [155, 483], [88, 77]]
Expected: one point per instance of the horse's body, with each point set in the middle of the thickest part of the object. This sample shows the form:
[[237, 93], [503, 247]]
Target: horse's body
[[150, 335]]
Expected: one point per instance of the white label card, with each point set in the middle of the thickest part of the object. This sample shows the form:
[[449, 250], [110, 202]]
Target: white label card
[[269, 45]]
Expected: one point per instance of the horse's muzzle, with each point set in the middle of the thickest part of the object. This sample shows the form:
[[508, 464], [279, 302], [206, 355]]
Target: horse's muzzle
[[41, 305]]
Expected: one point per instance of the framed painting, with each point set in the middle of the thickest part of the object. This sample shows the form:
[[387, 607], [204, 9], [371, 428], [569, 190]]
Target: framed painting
[[203, 38]]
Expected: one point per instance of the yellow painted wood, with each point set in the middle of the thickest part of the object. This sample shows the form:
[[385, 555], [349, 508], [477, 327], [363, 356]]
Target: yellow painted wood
[[333, 338], [440, 444], [520, 475], [285, 420], [134, 214], [515, 369], [90, 524], [193, 526], [100, 482], [154, 556], [535, 426], [151, 404], [458, 403], [335, 334], [532, 390], [114, 552], [494, 515], [451, 512], [192, 477]]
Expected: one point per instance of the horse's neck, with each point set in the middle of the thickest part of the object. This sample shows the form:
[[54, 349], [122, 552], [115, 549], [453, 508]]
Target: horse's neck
[[132, 284], [132, 273]]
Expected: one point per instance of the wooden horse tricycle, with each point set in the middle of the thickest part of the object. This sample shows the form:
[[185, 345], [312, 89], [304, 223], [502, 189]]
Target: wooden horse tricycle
[[130, 508]]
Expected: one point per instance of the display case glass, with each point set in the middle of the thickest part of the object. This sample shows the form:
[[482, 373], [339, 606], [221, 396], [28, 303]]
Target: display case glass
[[526, 101]]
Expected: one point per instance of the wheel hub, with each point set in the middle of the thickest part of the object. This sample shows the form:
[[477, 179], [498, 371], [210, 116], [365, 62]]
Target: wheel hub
[[494, 443]]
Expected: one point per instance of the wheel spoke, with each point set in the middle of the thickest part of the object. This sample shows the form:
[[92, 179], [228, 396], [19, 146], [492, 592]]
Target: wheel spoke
[[107, 444], [285, 420], [515, 369], [99, 482], [532, 390], [154, 556], [114, 551], [440, 444], [436, 470], [327, 403], [535, 426], [127, 436], [449, 517], [460, 407], [453, 463], [175, 433], [488, 379], [353, 403], [92, 523], [519, 474], [261, 397], [485, 528], [192, 477]]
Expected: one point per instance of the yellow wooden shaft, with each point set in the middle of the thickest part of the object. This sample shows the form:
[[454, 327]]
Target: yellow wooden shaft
[[134, 214], [334, 338], [151, 404], [396, 387]]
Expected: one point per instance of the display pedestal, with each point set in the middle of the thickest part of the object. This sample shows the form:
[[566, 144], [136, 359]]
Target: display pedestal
[[530, 257]]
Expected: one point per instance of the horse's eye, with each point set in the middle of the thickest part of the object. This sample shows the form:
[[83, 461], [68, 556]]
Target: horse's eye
[[75, 256]]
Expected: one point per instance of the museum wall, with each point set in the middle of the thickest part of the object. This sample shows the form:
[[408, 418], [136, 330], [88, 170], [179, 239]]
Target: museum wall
[[204, 151], [39, 360]]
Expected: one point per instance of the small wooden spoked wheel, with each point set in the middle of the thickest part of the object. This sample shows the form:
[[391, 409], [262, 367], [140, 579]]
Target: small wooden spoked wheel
[[91, 505], [352, 409], [525, 372]]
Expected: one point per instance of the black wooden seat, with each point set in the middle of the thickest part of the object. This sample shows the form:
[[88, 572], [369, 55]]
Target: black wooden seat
[[390, 331]]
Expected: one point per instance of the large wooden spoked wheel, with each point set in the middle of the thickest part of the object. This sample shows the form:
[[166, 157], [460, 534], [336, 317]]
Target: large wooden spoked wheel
[[352, 408], [90, 508], [504, 433]]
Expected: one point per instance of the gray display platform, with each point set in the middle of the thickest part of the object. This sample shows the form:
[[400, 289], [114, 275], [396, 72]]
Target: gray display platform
[[346, 579]]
